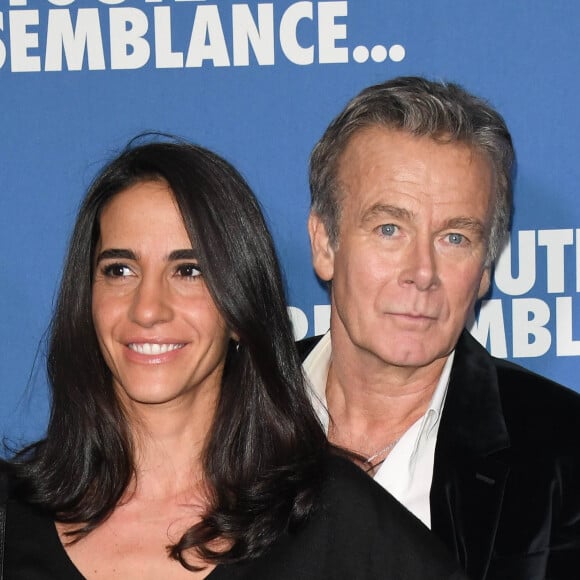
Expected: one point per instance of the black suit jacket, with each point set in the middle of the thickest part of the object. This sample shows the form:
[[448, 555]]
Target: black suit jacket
[[505, 496]]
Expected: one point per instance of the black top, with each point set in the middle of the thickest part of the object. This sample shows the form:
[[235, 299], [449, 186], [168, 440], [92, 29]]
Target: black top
[[33, 549], [359, 532]]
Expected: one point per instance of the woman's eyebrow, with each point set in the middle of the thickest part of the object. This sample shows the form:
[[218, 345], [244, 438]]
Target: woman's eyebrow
[[188, 254], [116, 254], [121, 254]]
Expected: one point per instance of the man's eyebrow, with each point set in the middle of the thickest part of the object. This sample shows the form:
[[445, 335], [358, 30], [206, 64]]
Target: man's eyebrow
[[116, 254], [397, 212], [382, 209], [466, 223]]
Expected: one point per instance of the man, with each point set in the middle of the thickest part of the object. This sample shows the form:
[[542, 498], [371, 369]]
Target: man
[[411, 203]]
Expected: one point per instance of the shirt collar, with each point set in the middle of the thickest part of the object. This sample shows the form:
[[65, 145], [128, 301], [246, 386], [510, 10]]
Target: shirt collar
[[438, 398], [316, 366]]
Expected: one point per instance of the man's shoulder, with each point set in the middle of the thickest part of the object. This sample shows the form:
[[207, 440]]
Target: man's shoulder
[[547, 406], [512, 376], [532, 404], [516, 382], [306, 345]]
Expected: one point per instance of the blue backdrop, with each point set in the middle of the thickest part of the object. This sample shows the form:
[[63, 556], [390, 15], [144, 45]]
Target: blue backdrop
[[258, 83]]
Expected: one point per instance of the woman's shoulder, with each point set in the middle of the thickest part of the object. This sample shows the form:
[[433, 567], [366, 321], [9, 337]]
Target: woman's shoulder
[[32, 548], [348, 489], [357, 532], [369, 520], [6, 480]]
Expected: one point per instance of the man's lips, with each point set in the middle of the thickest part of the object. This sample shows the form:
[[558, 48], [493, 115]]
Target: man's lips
[[416, 315]]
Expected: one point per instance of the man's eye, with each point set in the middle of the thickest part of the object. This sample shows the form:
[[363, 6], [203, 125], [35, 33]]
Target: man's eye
[[116, 271], [189, 271], [388, 230], [456, 239]]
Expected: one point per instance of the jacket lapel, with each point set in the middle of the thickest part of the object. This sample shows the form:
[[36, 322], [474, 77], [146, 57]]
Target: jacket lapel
[[469, 476]]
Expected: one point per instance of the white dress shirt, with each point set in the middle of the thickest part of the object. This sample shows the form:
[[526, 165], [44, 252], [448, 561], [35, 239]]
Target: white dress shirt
[[407, 472]]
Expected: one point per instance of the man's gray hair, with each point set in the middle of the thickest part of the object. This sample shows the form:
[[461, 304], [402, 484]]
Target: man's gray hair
[[440, 110]]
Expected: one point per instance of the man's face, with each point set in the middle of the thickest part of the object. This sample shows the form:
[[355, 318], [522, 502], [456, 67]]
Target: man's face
[[410, 259]]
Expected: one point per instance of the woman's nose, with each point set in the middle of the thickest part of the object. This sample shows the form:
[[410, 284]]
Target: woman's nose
[[151, 303]]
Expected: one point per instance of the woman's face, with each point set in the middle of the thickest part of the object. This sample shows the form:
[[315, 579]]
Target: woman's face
[[157, 325]]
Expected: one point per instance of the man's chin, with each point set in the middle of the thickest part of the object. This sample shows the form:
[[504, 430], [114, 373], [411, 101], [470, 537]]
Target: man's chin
[[411, 355]]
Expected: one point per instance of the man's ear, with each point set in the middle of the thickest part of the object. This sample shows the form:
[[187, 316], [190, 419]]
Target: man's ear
[[484, 282], [322, 250]]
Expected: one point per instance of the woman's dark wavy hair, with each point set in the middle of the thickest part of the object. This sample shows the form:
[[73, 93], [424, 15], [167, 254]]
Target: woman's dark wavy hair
[[262, 454]]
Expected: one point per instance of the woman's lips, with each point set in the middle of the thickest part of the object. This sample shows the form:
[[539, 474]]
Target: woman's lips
[[154, 348]]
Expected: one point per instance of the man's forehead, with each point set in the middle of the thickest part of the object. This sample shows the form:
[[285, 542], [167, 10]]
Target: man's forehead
[[378, 158], [384, 136], [385, 170]]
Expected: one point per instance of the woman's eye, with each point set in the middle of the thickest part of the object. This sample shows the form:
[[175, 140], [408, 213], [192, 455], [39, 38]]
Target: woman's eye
[[388, 230], [189, 271], [116, 271], [456, 239]]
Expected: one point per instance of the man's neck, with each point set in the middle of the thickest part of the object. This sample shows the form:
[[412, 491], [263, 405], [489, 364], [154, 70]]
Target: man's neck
[[372, 403]]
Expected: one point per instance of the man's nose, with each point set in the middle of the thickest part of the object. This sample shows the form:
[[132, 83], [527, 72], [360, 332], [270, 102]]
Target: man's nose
[[420, 266]]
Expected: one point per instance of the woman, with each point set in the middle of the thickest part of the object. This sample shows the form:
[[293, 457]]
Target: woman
[[181, 443]]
